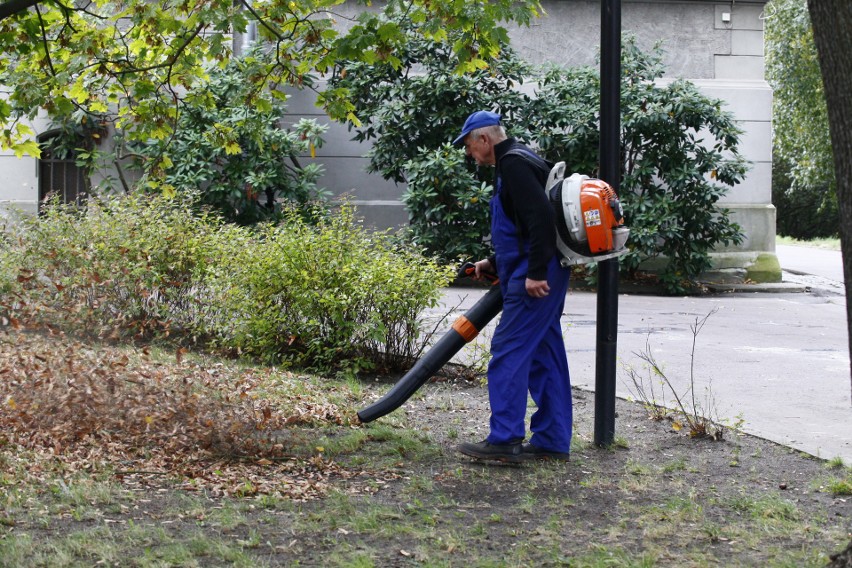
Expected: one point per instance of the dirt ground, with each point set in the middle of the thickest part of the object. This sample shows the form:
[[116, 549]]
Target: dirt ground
[[658, 498], [396, 493]]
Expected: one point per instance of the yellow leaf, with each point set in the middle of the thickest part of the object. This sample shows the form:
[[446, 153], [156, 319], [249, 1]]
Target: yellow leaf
[[262, 105], [168, 191], [78, 92], [98, 106], [232, 148], [149, 419], [319, 449], [160, 133], [677, 426], [11, 402], [138, 45], [353, 119], [29, 147], [313, 150], [479, 63]]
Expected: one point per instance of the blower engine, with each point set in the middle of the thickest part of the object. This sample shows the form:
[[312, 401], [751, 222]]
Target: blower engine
[[589, 218]]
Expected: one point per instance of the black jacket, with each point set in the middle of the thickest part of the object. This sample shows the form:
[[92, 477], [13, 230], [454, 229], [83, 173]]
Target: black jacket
[[525, 202]]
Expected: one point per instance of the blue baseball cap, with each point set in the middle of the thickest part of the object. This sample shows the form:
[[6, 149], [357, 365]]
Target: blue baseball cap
[[477, 120]]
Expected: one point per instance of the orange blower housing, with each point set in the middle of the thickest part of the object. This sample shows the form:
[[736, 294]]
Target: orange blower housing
[[589, 219], [601, 214]]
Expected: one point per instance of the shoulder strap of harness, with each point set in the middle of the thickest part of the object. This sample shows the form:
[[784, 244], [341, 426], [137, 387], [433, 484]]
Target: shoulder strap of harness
[[543, 167]]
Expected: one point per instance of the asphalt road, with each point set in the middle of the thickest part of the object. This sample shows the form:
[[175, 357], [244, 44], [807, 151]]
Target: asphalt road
[[777, 361]]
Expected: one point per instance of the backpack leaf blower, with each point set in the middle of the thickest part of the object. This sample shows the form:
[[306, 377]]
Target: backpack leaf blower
[[589, 218], [589, 228]]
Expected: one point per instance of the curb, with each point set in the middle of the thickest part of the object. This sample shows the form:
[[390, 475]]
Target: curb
[[765, 288]]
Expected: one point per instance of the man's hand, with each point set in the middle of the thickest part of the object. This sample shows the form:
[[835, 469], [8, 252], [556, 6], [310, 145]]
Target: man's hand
[[482, 267], [537, 288]]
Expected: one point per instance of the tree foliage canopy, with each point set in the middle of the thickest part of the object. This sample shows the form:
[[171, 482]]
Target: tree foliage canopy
[[680, 149], [800, 116], [131, 62]]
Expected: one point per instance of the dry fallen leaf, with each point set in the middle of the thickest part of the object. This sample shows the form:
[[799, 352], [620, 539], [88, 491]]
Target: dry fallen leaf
[[157, 421]]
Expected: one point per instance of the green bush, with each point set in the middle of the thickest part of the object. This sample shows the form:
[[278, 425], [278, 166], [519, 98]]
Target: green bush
[[679, 156], [803, 212], [322, 292], [333, 295], [231, 146], [679, 149], [8, 268], [447, 206], [118, 264], [410, 113]]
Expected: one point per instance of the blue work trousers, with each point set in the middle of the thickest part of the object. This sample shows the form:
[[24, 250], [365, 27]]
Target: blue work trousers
[[527, 350]]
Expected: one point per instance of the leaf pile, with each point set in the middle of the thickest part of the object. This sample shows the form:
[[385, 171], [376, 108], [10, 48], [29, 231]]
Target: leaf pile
[[62, 400]]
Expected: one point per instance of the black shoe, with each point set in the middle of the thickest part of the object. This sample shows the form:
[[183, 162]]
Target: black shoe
[[531, 452], [484, 450]]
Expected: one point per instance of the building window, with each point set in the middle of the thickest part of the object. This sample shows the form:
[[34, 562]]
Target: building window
[[58, 173]]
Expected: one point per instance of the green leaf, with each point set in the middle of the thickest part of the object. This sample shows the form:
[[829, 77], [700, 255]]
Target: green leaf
[[30, 147]]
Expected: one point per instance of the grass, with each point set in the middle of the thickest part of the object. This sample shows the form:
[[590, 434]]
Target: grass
[[395, 493], [132, 545], [829, 244]]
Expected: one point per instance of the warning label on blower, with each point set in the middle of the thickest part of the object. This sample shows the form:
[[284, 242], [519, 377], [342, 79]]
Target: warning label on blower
[[592, 217]]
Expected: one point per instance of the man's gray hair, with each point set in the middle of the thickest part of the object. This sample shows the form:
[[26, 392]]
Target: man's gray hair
[[495, 131]]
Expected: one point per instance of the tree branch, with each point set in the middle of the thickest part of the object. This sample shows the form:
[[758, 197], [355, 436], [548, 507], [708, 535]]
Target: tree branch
[[12, 7]]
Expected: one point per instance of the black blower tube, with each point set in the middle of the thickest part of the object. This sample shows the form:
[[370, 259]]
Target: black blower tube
[[465, 328]]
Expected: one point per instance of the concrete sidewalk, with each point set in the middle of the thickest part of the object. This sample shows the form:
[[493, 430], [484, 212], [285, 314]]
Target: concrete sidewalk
[[778, 361], [810, 261]]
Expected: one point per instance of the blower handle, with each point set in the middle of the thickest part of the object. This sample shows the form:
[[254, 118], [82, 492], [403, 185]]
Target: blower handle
[[468, 270]]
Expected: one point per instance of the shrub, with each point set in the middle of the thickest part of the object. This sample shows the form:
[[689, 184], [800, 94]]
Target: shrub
[[231, 146], [411, 113], [803, 212], [678, 152], [323, 292], [447, 206], [8, 267], [679, 149], [117, 265], [328, 296]]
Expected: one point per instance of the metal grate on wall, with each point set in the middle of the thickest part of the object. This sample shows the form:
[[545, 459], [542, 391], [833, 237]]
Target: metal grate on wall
[[59, 174]]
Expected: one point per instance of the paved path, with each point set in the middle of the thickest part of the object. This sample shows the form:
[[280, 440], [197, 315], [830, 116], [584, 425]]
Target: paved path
[[803, 260], [779, 361]]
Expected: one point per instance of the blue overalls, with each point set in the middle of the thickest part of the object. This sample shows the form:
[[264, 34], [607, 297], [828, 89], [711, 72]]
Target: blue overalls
[[527, 350]]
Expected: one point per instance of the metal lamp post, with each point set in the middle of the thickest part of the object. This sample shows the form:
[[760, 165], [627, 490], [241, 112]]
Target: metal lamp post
[[610, 159]]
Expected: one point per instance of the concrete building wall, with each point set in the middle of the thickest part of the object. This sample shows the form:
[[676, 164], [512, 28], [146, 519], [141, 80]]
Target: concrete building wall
[[377, 199], [19, 179]]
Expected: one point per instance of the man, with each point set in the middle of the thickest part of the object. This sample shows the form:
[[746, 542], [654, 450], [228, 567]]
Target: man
[[527, 351]]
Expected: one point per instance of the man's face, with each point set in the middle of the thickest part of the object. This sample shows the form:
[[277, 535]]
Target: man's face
[[480, 149]]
